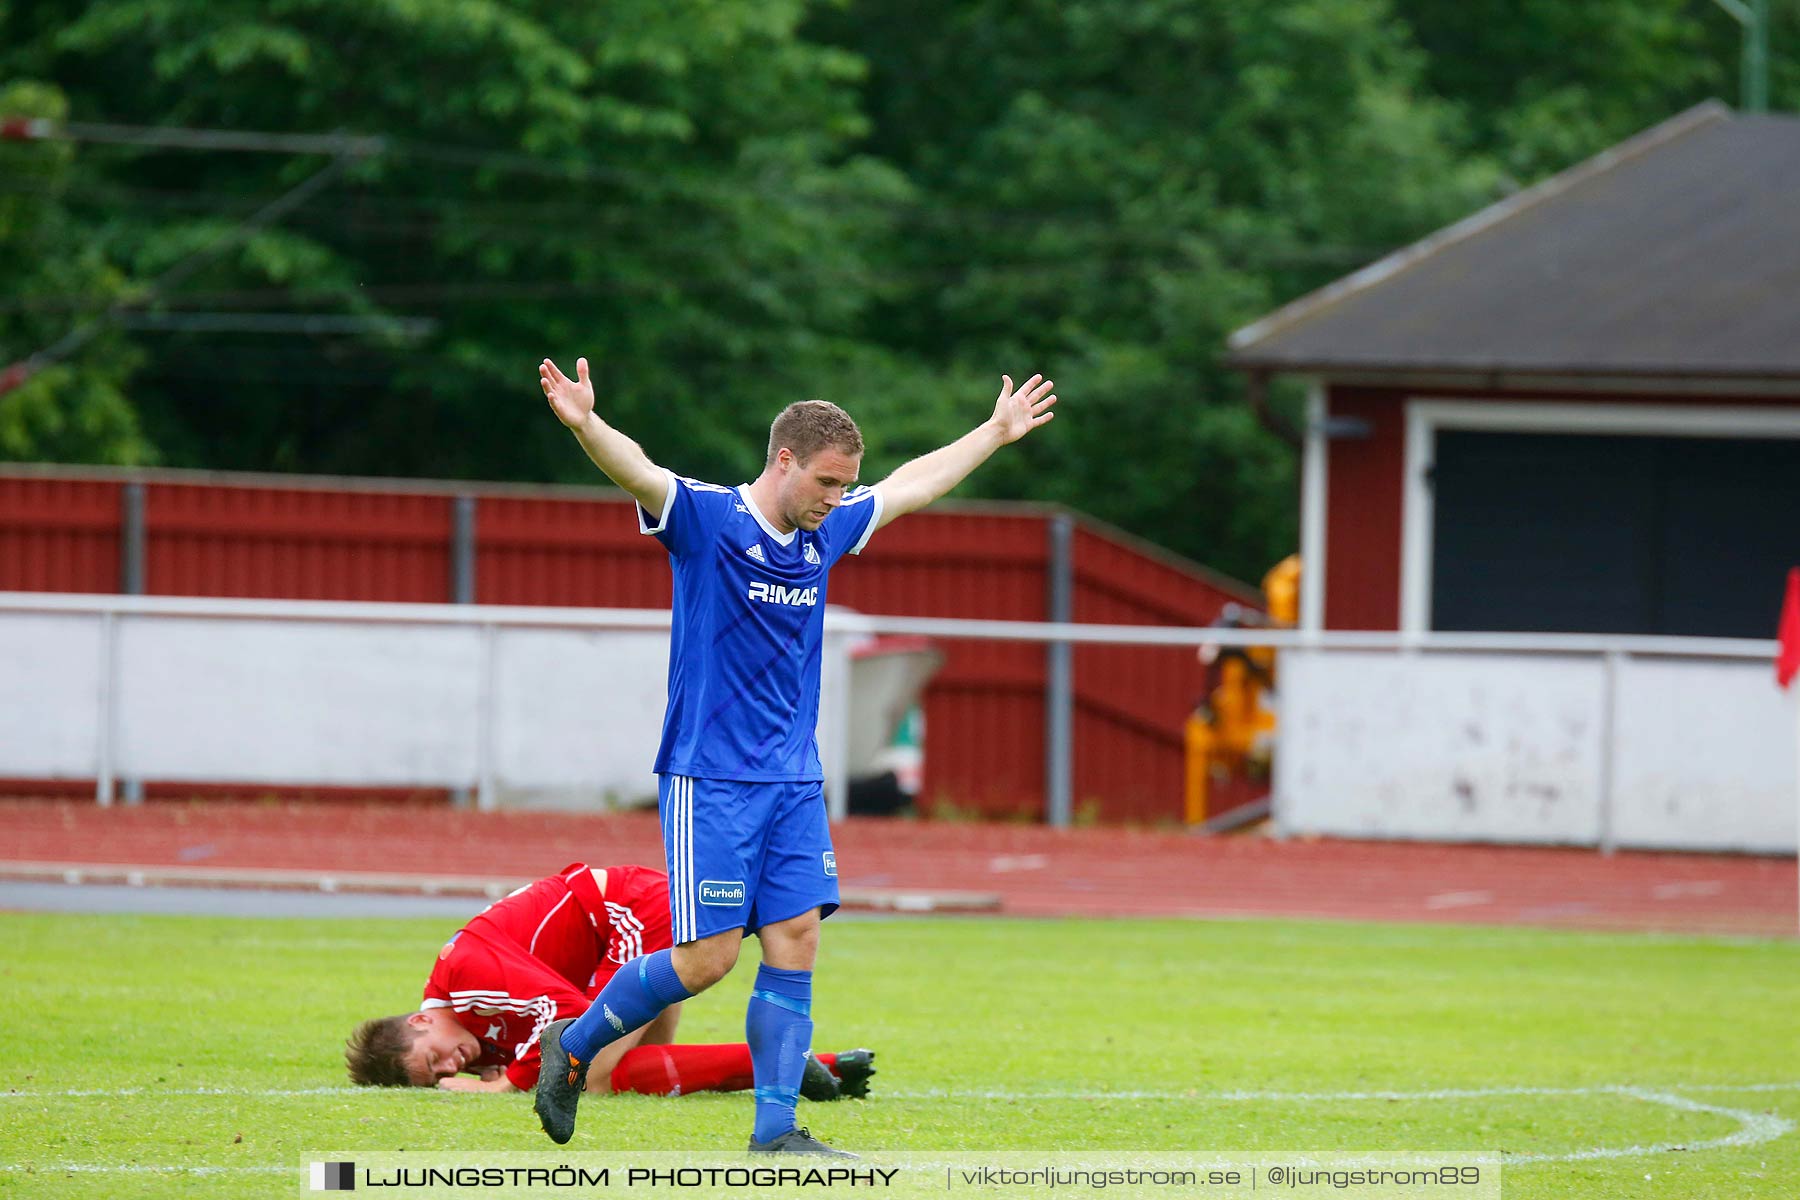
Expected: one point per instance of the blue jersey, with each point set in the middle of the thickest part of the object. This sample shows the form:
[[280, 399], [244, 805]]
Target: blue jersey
[[748, 631]]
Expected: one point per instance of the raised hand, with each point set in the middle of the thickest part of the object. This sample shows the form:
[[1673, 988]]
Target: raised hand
[[1017, 413], [570, 399]]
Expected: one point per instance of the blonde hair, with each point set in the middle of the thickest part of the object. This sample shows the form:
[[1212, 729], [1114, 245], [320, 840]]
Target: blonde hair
[[809, 426]]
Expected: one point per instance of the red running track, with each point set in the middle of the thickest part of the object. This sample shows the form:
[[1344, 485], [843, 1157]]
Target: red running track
[[1035, 871]]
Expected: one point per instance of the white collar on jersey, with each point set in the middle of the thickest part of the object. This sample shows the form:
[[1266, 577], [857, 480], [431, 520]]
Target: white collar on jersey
[[786, 539]]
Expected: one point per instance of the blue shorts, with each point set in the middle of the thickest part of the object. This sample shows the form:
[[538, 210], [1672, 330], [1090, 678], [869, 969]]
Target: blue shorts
[[744, 855]]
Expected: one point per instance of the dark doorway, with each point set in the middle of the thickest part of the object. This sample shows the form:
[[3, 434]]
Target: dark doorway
[[1608, 533]]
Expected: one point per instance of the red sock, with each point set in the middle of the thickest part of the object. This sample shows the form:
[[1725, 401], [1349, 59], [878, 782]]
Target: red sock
[[672, 1070]]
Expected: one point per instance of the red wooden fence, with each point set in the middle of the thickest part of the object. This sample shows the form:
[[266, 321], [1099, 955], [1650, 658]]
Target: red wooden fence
[[264, 536]]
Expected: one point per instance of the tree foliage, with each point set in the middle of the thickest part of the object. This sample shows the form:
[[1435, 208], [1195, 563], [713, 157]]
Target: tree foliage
[[1110, 187], [57, 285], [730, 204], [668, 187]]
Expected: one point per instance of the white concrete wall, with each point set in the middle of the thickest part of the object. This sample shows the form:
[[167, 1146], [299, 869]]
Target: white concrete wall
[[1473, 746], [1683, 748], [1705, 756], [50, 695], [555, 708], [276, 702], [576, 714]]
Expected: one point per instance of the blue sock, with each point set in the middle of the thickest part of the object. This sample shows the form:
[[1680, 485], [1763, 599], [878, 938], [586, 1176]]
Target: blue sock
[[778, 1027], [634, 995]]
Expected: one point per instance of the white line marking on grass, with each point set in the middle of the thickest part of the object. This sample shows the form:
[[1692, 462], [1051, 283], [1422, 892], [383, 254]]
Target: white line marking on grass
[[1308, 1097], [996, 1093], [135, 1168], [261, 1093], [1754, 1128]]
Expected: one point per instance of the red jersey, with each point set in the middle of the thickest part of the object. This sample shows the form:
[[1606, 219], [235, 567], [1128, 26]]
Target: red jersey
[[543, 954]]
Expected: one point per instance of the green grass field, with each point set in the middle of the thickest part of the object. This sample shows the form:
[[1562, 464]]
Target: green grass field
[[144, 1047]]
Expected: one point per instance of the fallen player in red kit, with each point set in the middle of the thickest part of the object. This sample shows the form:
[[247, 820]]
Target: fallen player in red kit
[[543, 954]]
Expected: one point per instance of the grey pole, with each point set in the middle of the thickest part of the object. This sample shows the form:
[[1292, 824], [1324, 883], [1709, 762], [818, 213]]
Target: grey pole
[[462, 591], [131, 583], [1059, 691], [131, 539], [1753, 87], [462, 550], [1756, 58]]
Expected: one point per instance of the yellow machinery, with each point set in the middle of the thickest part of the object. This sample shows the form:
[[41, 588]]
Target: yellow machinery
[[1229, 732]]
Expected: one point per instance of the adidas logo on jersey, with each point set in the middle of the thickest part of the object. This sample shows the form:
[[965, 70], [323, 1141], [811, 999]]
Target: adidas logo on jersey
[[812, 554], [757, 553], [770, 593]]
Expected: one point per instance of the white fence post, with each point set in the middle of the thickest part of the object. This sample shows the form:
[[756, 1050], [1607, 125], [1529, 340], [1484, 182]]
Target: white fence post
[[834, 721], [486, 721], [106, 729], [1609, 748]]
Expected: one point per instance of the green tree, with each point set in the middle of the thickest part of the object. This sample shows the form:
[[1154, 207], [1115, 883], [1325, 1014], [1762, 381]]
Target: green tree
[[1110, 187], [1544, 83], [730, 204], [51, 409], [663, 186]]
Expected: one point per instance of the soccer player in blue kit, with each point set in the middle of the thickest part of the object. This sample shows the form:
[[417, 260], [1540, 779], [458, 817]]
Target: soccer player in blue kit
[[742, 791]]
